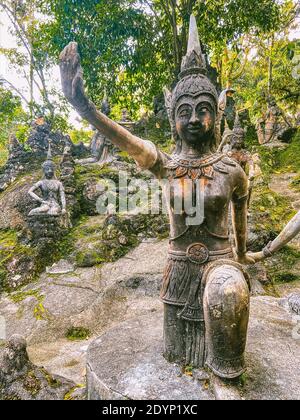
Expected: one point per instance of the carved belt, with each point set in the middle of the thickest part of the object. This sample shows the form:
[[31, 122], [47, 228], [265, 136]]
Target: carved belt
[[198, 253]]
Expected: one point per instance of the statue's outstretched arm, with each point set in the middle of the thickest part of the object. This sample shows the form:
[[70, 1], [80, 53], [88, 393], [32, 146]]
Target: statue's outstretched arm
[[144, 152], [32, 194], [286, 235]]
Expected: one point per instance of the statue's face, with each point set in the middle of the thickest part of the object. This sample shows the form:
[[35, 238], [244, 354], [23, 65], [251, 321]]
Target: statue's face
[[237, 142], [195, 119], [49, 171]]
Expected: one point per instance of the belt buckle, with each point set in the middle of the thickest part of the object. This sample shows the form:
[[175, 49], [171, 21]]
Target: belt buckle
[[197, 253]]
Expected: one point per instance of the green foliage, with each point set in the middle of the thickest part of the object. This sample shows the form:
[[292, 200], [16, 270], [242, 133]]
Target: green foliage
[[271, 211], [130, 49], [283, 267], [78, 333], [81, 135], [289, 159], [13, 119]]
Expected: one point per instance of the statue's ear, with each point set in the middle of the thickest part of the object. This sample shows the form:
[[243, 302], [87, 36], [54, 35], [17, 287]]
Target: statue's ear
[[168, 99], [168, 105]]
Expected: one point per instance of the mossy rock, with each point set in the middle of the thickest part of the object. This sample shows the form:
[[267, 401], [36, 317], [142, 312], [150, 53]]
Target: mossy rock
[[270, 211], [78, 333], [288, 160], [283, 267]]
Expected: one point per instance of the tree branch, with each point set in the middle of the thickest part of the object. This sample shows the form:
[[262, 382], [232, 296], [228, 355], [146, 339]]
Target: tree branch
[[3, 80]]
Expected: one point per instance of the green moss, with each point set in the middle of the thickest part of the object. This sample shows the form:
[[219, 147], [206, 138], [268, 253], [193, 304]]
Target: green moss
[[288, 160], [69, 395], [18, 297], [31, 383], [39, 311], [271, 211], [283, 268], [88, 172], [78, 333], [12, 250], [3, 155], [95, 243], [11, 397], [295, 184], [53, 383]]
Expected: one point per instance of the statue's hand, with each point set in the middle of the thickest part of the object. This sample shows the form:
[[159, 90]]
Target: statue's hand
[[72, 76], [245, 259], [257, 256]]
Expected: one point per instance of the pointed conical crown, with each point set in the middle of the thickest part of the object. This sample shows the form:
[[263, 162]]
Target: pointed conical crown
[[238, 129], [49, 153], [49, 160], [192, 79], [194, 61]]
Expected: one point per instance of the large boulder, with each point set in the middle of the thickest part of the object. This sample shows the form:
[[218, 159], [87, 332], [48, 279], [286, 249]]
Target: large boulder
[[21, 380]]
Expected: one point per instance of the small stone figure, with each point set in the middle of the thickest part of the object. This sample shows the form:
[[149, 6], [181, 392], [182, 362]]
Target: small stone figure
[[227, 108], [233, 143], [51, 189], [260, 130], [205, 292], [274, 125], [126, 121], [102, 149], [239, 154]]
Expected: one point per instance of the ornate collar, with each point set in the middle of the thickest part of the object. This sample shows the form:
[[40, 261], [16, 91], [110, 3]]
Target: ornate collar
[[199, 168]]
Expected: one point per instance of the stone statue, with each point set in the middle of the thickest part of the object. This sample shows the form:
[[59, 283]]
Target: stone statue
[[241, 155], [227, 108], [273, 125], [102, 149], [51, 189], [205, 292], [233, 143]]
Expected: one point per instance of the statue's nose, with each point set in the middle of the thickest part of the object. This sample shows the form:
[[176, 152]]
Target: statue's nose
[[194, 118]]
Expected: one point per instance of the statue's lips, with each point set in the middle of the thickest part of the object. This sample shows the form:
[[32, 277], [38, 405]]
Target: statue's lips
[[195, 130]]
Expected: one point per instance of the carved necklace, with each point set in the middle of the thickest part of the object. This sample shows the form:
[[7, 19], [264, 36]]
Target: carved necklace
[[199, 168]]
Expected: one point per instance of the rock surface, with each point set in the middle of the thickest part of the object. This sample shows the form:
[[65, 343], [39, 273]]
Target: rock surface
[[21, 380], [94, 298], [127, 363], [101, 298]]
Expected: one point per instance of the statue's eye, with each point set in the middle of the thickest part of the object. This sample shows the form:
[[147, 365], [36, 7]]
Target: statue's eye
[[184, 113], [203, 110]]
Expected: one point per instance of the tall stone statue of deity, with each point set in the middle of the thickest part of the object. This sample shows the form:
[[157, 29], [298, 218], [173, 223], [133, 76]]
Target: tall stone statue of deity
[[52, 200], [205, 291]]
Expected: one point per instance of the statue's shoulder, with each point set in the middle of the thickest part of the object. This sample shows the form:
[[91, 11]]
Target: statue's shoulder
[[226, 161]]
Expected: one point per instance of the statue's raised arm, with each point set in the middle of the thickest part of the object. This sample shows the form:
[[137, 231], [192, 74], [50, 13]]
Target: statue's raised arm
[[144, 152]]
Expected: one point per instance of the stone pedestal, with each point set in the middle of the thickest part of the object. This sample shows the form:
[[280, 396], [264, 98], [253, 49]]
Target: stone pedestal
[[45, 228], [127, 363]]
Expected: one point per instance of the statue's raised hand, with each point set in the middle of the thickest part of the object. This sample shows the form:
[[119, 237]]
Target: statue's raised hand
[[72, 77]]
